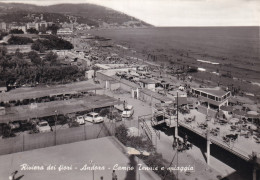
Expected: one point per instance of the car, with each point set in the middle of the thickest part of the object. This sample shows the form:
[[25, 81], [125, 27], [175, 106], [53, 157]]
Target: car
[[128, 111], [14, 125], [80, 120], [43, 126], [93, 118]]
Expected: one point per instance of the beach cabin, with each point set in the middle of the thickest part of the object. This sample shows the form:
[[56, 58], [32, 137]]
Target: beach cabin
[[148, 84]]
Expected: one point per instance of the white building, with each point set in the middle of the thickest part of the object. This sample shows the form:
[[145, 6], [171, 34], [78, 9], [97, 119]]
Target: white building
[[3, 26], [32, 25], [64, 31], [23, 28]]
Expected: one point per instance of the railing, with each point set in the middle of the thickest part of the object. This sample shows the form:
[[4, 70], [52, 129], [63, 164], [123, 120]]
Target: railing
[[157, 133], [237, 152], [150, 118], [146, 127]]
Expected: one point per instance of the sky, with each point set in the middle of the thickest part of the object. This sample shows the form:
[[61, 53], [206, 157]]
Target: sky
[[178, 12]]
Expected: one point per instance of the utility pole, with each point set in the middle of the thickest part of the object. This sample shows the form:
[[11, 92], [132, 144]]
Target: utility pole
[[176, 129]]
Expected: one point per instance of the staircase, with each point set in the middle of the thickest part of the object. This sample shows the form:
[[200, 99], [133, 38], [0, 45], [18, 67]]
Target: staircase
[[151, 133]]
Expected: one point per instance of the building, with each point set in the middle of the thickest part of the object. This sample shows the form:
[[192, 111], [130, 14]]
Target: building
[[23, 28], [211, 99], [64, 31], [148, 84], [49, 32], [43, 26], [67, 25], [3, 26], [32, 25]]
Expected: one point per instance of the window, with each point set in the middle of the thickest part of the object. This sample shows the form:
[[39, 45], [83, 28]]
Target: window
[[203, 94], [197, 92], [212, 97]]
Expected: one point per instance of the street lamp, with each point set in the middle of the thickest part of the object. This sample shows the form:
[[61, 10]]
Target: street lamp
[[55, 138]]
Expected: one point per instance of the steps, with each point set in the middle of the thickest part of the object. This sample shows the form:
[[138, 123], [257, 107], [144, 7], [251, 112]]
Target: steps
[[149, 131]]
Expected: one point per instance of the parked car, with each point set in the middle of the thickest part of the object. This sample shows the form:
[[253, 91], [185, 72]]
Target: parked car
[[128, 111], [14, 125], [80, 120], [43, 126], [93, 117]]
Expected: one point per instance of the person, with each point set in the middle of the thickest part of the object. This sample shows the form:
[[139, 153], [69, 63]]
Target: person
[[101, 178], [185, 139], [114, 176], [12, 176]]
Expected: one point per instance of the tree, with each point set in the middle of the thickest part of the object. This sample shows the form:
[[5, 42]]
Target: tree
[[18, 53], [3, 51], [16, 31], [54, 28], [34, 57], [2, 34], [19, 40], [121, 133], [51, 57], [32, 31]]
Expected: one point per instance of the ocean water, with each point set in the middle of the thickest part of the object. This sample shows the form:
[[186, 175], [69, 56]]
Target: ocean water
[[237, 48]]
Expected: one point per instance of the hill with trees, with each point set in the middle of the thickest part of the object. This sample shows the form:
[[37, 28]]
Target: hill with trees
[[90, 14]]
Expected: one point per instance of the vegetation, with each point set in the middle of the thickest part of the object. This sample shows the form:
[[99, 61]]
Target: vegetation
[[30, 68], [51, 42], [16, 31], [89, 14], [19, 40], [32, 31], [153, 160], [53, 28], [2, 34]]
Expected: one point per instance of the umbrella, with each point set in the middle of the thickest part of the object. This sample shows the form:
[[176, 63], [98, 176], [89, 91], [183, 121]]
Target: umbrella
[[237, 107], [253, 113], [132, 151], [145, 153], [251, 107], [234, 120], [252, 126]]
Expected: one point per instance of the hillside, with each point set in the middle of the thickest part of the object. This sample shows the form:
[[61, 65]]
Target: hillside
[[85, 13]]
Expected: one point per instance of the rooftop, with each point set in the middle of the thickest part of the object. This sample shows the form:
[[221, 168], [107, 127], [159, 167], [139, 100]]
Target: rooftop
[[156, 95], [148, 81], [217, 91], [36, 92], [18, 113]]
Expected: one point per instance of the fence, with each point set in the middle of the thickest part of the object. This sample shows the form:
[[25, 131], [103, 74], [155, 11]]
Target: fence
[[25, 142]]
